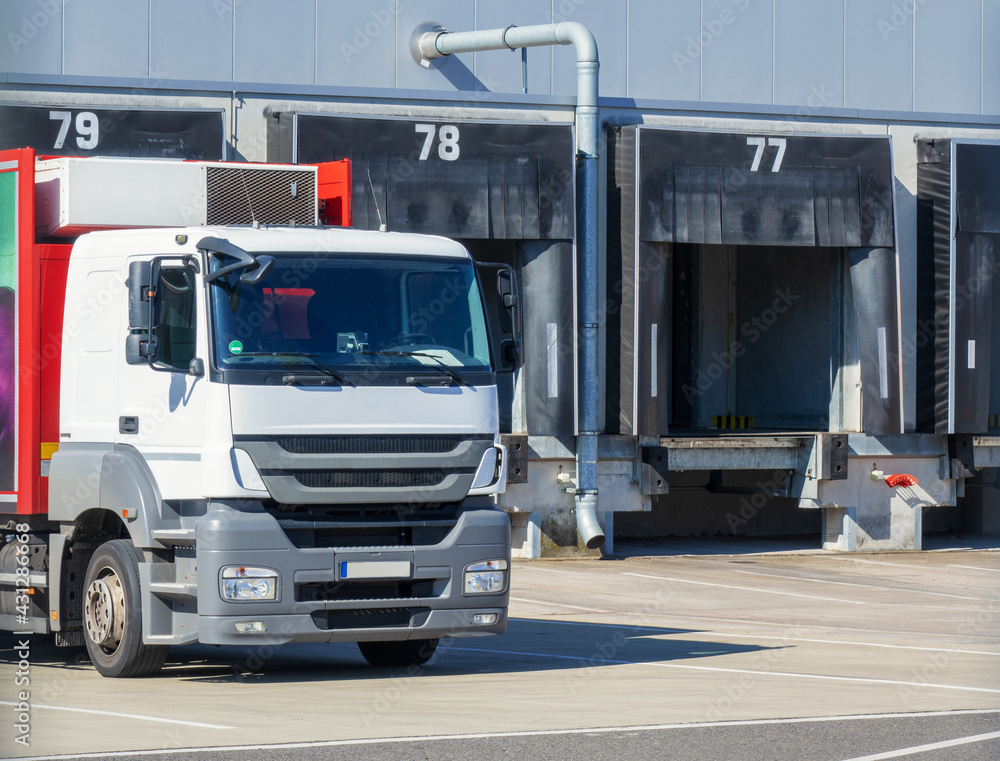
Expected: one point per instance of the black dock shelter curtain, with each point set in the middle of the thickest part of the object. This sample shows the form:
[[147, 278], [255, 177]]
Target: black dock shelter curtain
[[744, 189], [958, 255]]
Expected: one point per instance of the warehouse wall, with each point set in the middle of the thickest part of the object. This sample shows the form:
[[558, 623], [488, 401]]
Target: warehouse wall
[[895, 55]]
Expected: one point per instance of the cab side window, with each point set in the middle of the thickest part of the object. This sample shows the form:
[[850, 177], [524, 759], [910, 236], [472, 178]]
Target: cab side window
[[175, 333]]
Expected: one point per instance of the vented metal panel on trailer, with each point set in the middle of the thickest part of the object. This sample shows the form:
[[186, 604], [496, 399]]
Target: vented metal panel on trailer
[[237, 195], [505, 190], [958, 252], [783, 228]]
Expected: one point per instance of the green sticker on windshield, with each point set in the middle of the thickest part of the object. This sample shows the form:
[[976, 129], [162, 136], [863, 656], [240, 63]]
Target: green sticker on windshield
[[235, 347]]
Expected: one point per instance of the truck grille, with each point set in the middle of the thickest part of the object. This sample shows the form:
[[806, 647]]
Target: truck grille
[[363, 590], [375, 618], [369, 444], [368, 479], [400, 525], [367, 468]]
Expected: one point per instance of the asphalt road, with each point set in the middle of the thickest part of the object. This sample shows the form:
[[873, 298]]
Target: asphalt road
[[947, 737], [749, 657]]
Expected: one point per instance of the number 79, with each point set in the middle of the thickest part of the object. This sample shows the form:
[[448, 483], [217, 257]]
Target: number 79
[[88, 127]]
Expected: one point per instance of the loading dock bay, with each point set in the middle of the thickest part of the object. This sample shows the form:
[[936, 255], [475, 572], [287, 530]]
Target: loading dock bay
[[666, 656]]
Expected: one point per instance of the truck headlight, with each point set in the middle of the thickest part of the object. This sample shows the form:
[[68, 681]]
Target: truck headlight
[[246, 583], [486, 577]]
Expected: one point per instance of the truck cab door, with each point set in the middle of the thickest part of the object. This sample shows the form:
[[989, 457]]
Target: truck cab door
[[168, 410]]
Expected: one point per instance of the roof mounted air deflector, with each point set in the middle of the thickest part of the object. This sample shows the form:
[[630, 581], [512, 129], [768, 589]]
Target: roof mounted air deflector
[[430, 42], [254, 269]]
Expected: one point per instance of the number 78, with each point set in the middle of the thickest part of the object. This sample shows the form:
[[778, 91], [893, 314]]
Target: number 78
[[448, 149]]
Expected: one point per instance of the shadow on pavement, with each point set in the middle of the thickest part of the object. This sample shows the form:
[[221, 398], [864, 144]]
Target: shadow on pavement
[[680, 546], [530, 645]]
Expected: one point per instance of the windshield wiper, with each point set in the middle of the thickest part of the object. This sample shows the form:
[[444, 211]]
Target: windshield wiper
[[310, 360], [439, 366]]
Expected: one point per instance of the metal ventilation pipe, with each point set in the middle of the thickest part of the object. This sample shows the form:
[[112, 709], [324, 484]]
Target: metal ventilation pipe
[[436, 43]]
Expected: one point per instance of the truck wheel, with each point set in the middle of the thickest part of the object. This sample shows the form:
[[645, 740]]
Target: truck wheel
[[112, 614], [411, 652]]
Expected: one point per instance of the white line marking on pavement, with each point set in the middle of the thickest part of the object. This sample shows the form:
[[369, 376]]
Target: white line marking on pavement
[[976, 568], [745, 589], [894, 565], [852, 584], [947, 648], [525, 733], [122, 715], [676, 629], [558, 605], [594, 659], [932, 746]]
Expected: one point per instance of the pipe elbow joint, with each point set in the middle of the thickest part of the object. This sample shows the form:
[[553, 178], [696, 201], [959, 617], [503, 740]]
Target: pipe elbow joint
[[576, 34], [586, 521]]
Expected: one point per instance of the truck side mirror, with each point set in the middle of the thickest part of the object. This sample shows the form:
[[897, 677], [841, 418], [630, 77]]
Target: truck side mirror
[[140, 344], [139, 283], [507, 288], [511, 353], [139, 347], [507, 308], [510, 318]]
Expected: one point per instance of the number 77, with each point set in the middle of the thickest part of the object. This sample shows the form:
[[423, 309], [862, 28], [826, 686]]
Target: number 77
[[780, 143]]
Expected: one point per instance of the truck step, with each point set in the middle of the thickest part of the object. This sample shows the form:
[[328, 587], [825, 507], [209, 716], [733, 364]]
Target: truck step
[[35, 579], [172, 590], [17, 624], [175, 536], [69, 639]]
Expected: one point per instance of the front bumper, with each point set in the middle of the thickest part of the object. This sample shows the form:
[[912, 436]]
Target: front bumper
[[317, 602]]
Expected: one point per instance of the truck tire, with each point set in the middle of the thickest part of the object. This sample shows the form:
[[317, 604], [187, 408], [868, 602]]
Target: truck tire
[[112, 614], [411, 652]]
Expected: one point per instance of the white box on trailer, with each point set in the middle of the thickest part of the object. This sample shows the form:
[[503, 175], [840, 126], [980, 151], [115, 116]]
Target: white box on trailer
[[74, 195]]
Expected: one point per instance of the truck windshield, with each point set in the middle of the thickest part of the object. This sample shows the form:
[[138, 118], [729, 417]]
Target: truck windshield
[[351, 313]]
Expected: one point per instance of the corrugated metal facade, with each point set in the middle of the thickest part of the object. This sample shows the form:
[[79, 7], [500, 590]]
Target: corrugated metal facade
[[898, 55]]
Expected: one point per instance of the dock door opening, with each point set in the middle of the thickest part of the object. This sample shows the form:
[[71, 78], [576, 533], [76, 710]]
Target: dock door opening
[[755, 344], [755, 285]]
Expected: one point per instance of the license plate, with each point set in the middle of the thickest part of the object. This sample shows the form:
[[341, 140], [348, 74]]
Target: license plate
[[374, 569]]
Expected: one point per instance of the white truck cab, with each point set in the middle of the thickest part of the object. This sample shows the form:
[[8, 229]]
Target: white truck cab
[[291, 435]]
